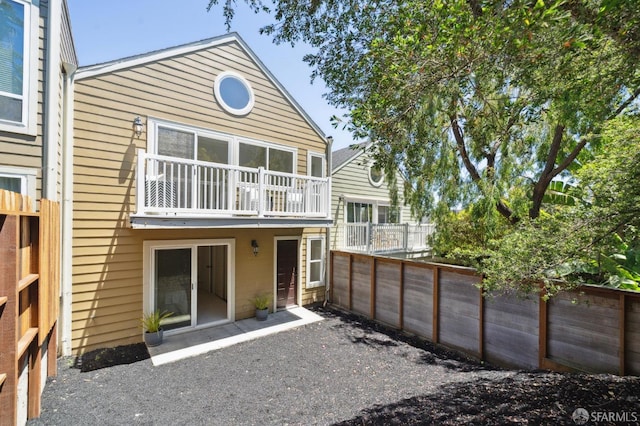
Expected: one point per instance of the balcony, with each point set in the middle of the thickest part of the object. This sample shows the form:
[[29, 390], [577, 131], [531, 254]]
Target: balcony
[[386, 238], [176, 192]]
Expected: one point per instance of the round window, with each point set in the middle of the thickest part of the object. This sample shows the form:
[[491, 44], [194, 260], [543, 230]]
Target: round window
[[375, 175], [233, 93]]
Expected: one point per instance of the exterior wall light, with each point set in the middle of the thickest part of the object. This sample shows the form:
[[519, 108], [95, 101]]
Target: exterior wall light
[[254, 246], [137, 126]]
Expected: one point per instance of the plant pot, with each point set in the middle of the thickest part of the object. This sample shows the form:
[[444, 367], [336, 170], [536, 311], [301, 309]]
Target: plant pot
[[262, 314], [153, 338]]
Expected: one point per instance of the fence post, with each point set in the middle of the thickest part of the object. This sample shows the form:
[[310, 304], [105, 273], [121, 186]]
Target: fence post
[[405, 236], [542, 329], [369, 236], [372, 273], [436, 305], [621, 327]]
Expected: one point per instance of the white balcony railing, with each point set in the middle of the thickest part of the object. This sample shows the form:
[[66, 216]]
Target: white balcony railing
[[386, 237], [176, 186]]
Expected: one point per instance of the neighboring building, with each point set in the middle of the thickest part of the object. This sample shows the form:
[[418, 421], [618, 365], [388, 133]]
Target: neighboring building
[[37, 59], [199, 183], [365, 220], [37, 62]]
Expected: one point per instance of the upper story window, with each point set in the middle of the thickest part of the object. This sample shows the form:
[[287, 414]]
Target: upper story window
[[233, 93], [375, 175], [269, 157], [174, 140], [192, 145], [358, 212], [18, 38], [315, 162]]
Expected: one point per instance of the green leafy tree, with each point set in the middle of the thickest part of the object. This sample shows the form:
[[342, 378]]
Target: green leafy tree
[[595, 239], [482, 104], [472, 100]]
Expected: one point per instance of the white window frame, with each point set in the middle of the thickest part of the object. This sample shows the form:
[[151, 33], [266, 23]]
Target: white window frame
[[233, 140], [235, 111], [374, 207], [149, 268], [322, 261], [27, 178], [378, 183], [30, 74], [323, 157], [267, 145]]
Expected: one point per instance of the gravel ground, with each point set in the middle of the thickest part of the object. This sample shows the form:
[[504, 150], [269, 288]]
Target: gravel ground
[[343, 370]]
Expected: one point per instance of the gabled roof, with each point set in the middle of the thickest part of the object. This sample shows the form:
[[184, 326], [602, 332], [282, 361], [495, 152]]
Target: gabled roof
[[156, 55], [344, 156]]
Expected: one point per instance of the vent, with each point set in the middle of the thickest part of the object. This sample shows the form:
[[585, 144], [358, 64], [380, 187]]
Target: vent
[[160, 194]]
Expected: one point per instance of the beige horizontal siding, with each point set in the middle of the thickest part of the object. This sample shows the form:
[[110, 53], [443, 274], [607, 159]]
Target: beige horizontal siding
[[353, 180], [107, 254]]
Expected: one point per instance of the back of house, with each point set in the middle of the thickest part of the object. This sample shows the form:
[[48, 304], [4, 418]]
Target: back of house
[[199, 183]]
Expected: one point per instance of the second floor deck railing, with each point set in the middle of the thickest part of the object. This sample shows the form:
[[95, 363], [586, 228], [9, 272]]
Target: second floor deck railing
[[176, 186], [386, 237]]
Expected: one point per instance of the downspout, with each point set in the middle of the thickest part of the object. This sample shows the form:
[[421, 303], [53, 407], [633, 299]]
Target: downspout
[[327, 268], [66, 214], [51, 97]]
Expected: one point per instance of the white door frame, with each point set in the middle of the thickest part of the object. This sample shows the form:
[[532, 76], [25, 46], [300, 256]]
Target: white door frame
[[148, 262], [297, 238]]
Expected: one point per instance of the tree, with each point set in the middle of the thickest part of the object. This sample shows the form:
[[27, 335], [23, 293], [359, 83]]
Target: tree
[[594, 240], [472, 100]]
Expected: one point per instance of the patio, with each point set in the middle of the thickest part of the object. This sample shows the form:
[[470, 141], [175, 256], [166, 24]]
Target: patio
[[200, 341]]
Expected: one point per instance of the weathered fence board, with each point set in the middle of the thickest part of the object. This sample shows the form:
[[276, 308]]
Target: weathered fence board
[[632, 338], [361, 285], [387, 308], [340, 281], [583, 331], [511, 331], [459, 311], [592, 329], [418, 300]]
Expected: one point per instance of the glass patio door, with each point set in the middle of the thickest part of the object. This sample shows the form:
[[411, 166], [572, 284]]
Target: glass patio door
[[192, 279], [173, 288]]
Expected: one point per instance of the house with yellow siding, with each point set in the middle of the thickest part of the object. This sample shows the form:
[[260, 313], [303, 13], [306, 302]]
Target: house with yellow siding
[[198, 183]]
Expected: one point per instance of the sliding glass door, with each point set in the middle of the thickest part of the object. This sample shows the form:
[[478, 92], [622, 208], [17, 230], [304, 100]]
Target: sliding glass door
[[191, 279]]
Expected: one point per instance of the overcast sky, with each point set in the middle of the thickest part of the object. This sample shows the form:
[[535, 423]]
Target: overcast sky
[[114, 29]]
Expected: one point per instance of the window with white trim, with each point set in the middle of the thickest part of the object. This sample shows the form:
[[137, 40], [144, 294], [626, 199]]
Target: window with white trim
[[358, 212], [180, 141], [18, 179], [316, 165], [374, 211], [375, 175], [315, 261], [18, 77], [233, 92], [271, 158]]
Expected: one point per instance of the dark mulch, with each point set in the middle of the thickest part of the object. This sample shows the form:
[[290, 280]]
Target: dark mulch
[[109, 357], [345, 370]]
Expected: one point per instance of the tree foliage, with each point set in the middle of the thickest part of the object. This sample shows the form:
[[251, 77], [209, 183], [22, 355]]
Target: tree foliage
[[594, 240], [482, 104]]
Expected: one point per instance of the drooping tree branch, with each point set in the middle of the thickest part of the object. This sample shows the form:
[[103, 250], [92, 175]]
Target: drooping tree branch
[[462, 149], [547, 173]]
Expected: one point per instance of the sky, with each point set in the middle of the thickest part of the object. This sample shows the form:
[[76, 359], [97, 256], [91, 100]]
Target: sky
[[107, 30]]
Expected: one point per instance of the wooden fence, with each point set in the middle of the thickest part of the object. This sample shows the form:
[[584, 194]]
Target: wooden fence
[[592, 329], [29, 303]]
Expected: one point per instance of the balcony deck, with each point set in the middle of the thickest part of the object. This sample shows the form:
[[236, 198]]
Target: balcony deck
[[176, 192], [386, 238]]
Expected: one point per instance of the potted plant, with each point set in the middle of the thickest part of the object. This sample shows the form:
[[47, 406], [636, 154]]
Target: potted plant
[[261, 302], [152, 327]]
